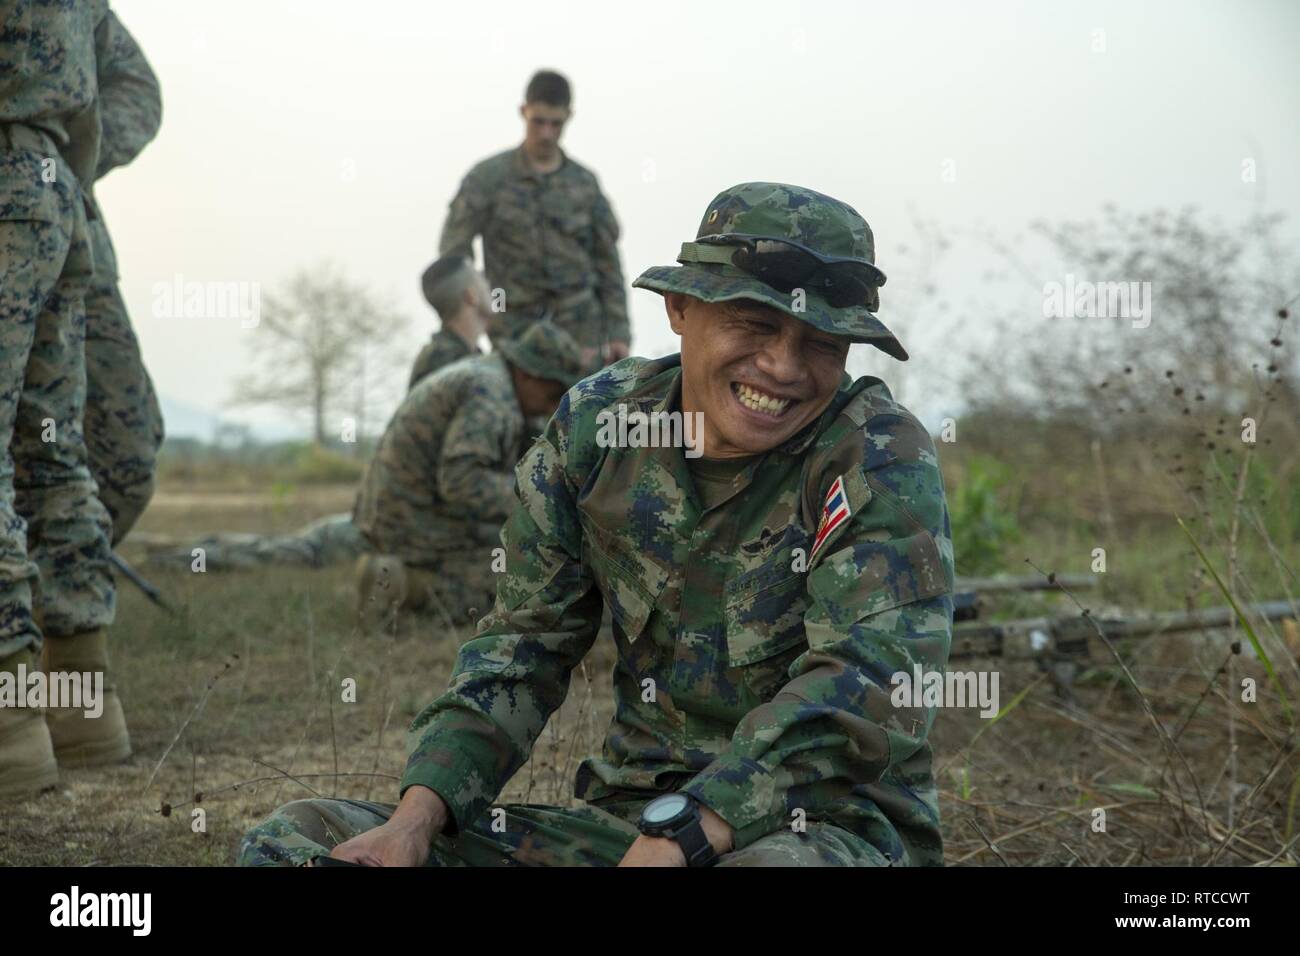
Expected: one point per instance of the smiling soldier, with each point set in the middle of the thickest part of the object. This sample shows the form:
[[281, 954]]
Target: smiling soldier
[[761, 595]]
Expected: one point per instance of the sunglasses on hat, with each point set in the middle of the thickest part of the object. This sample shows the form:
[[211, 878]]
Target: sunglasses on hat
[[786, 265]]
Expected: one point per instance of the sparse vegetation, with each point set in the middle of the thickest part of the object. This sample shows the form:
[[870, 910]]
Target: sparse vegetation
[[1158, 737]]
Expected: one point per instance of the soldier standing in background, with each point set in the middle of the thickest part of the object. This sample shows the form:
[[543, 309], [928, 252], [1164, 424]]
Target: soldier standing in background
[[124, 426], [549, 234], [56, 587], [762, 595]]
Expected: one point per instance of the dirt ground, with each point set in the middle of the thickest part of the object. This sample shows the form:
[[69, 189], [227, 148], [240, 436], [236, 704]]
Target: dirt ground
[[234, 707]]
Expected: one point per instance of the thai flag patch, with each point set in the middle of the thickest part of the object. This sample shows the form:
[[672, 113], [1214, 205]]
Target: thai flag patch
[[835, 511]]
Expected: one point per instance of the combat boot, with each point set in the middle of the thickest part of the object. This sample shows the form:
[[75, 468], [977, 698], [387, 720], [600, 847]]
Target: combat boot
[[81, 740], [27, 763], [382, 590]]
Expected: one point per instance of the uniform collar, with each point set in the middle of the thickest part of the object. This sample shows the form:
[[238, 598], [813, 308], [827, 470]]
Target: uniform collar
[[524, 170], [445, 334]]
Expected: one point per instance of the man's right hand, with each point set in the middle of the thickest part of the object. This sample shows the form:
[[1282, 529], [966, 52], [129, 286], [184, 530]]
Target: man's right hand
[[404, 840]]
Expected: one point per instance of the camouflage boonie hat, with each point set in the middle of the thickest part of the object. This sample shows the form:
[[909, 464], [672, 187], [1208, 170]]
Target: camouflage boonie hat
[[775, 210], [545, 351]]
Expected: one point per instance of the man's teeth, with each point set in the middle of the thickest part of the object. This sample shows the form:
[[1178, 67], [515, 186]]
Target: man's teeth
[[761, 401]]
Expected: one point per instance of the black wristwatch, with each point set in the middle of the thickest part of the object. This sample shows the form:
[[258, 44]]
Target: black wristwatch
[[676, 816]]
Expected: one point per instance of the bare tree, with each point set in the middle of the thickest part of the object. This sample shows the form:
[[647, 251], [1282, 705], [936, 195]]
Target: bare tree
[[323, 345]]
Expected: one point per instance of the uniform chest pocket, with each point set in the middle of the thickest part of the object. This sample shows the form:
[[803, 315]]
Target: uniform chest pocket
[[629, 585], [764, 606], [516, 209], [575, 224]]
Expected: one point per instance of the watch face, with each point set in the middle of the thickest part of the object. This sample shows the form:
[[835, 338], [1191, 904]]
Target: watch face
[[663, 809]]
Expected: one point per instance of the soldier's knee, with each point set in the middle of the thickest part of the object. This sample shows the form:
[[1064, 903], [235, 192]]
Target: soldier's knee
[[290, 836], [306, 813], [820, 845]]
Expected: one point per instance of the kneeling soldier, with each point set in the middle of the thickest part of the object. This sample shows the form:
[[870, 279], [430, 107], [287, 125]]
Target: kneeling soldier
[[441, 481]]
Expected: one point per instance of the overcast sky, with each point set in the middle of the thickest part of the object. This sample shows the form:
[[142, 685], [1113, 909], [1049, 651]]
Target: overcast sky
[[297, 132]]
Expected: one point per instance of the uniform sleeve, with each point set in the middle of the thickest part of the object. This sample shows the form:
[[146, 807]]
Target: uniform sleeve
[[467, 217], [507, 681], [880, 604], [129, 98], [471, 464], [609, 272]]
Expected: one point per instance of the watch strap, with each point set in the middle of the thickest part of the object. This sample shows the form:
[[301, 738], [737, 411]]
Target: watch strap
[[695, 845]]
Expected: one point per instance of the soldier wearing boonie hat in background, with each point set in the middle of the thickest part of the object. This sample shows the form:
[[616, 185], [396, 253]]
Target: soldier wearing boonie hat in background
[[762, 594]]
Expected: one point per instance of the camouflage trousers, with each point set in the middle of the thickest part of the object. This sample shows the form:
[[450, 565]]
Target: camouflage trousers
[[54, 532], [330, 540], [124, 427], [526, 834]]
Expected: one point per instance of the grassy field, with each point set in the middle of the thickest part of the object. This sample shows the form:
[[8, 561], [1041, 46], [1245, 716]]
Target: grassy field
[[234, 707]]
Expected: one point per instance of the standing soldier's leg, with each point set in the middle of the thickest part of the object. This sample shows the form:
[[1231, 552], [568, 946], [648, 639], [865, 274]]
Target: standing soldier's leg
[[124, 427], [68, 528], [32, 255], [510, 835]]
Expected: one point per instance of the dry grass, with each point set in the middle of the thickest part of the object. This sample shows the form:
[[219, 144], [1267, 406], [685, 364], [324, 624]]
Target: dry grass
[[250, 670]]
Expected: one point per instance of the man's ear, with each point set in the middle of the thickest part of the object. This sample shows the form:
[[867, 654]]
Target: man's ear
[[522, 107], [675, 305]]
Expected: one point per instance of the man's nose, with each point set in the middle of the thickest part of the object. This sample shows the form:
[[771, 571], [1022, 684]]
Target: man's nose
[[781, 359]]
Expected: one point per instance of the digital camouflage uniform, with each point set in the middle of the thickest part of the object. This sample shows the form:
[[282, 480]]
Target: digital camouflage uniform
[[440, 483], [124, 426], [54, 533], [753, 669], [549, 241], [442, 349]]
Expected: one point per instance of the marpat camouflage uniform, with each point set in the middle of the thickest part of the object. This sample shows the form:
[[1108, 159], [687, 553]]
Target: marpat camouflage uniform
[[549, 241], [756, 639], [440, 484], [442, 349], [330, 540], [326, 541], [49, 147], [124, 427]]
